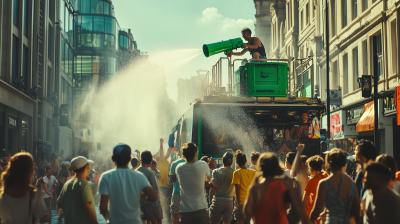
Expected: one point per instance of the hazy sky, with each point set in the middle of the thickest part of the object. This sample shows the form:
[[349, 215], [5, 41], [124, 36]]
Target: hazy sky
[[159, 26]]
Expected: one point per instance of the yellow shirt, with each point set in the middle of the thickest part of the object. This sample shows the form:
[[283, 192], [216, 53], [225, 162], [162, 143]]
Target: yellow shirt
[[163, 167], [244, 178]]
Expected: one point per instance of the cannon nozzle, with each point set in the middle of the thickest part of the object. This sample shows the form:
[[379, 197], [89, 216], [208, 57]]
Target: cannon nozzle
[[224, 46]]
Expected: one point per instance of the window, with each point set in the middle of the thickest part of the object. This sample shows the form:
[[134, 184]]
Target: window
[[50, 43], [87, 24], [62, 14], [335, 76], [25, 17], [70, 62], [16, 12], [365, 5], [62, 54], [355, 9], [365, 57], [85, 6], [346, 82], [98, 24], [290, 13], [355, 69], [333, 16], [71, 28], [106, 8], [25, 66], [344, 3], [308, 14], [14, 59], [301, 20], [97, 7], [394, 46], [109, 25], [379, 54], [49, 81]]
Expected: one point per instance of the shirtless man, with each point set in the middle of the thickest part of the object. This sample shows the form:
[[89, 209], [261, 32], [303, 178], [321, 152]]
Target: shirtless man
[[294, 135], [254, 45]]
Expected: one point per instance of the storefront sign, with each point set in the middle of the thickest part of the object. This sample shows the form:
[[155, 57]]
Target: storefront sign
[[389, 105], [353, 115], [12, 122], [336, 97], [398, 104], [336, 124], [314, 129]]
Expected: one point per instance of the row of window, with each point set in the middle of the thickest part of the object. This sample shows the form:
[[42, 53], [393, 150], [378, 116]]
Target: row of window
[[124, 41], [15, 63], [16, 14], [67, 21], [101, 24], [95, 7], [66, 58], [345, 12]]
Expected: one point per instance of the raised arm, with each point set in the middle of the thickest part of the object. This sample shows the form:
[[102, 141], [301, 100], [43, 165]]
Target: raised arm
[[297, 162]]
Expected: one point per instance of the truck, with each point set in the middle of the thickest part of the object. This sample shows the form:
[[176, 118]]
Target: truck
[[258, 110]]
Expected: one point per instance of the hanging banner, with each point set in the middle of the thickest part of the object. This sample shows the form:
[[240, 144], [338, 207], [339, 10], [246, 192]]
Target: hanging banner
[[398, 104], [336, 97]]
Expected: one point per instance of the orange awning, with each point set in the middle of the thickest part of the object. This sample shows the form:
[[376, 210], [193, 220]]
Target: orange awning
[[367, 121]]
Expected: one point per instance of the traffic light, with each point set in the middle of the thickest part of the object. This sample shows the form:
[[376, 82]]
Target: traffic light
[[64, 115], [366, 88]]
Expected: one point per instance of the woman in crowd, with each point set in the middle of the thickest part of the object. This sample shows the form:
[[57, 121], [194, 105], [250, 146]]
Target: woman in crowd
[[337, 193], [269, 198], [391, 163], [19, 202]]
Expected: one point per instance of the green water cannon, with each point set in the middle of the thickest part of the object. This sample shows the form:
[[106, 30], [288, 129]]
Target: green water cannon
[[224, 46]]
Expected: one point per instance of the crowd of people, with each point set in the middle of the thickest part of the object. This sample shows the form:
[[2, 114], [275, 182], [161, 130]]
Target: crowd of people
[[188, 190]]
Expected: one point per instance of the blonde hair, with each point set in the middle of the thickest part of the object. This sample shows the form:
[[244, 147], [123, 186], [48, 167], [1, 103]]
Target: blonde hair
[[335, 160]]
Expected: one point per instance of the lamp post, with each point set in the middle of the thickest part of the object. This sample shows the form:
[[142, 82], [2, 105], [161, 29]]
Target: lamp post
[[328, 92]]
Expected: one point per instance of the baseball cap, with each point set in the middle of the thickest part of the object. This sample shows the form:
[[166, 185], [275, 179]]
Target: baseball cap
[[122, 150], [227, 156], [79, 162]]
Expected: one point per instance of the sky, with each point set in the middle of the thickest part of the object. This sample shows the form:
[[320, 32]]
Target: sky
[[169, 28]]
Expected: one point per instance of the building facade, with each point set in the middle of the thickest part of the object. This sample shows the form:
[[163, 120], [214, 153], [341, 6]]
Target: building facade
[[353, 27], [51, 53]]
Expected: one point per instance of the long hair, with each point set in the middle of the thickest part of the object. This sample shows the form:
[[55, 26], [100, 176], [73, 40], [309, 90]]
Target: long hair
[[268, 165], [19, 172], [335, 160]]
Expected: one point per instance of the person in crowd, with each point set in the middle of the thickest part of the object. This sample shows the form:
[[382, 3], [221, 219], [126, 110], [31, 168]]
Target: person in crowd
[[337, 193], [150, 211], [135, 163], [55, 165], [153, 168], [43, 165], [290, 156], [364, 153], [380, 204], [62, 179], [164, 188], [121, 189], [314, 164], [76, 197], [222, 202], [191, 175], [391, 163], [35, 172], [269, 198], [242, 179], [19, 202], [49, 185], [176, 194], [254, 158]]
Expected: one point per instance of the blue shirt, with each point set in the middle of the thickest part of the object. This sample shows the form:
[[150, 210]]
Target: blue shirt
[[173, 169], [123, 186]]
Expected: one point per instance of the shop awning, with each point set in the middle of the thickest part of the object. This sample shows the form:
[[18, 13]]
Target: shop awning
[[367, 121]]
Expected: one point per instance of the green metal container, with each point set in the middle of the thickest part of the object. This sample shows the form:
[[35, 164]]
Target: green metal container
[[224, 46], [262, 79]]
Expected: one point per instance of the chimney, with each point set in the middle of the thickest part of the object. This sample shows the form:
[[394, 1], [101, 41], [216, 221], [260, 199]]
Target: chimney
[[129, 30]]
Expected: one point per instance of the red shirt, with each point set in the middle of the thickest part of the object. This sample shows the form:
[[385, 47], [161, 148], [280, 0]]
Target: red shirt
[[311, 191]]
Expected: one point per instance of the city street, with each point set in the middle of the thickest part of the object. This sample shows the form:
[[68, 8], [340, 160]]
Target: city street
[[54, 217]]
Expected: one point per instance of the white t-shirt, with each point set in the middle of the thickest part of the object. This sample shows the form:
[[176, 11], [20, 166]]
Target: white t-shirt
[[123, 186], [287, 173], [191, 179], [16, 210], [50, 184]]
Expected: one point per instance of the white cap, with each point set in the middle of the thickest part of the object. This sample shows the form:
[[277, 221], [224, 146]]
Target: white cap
[[79, 162]]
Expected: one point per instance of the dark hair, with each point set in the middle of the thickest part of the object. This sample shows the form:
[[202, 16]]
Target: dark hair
[[19, 172], [380, 169], [246, 30], [227, 161], [389, 162], [240, 158], [48, 168], [270, 165], [189, 150], [335, 160], [154, 162], [367, 149], [315, 162], [254, 156], [134, 162], [121, 160], [80, 170], [290, 157], [146, 157], [204, 158]]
